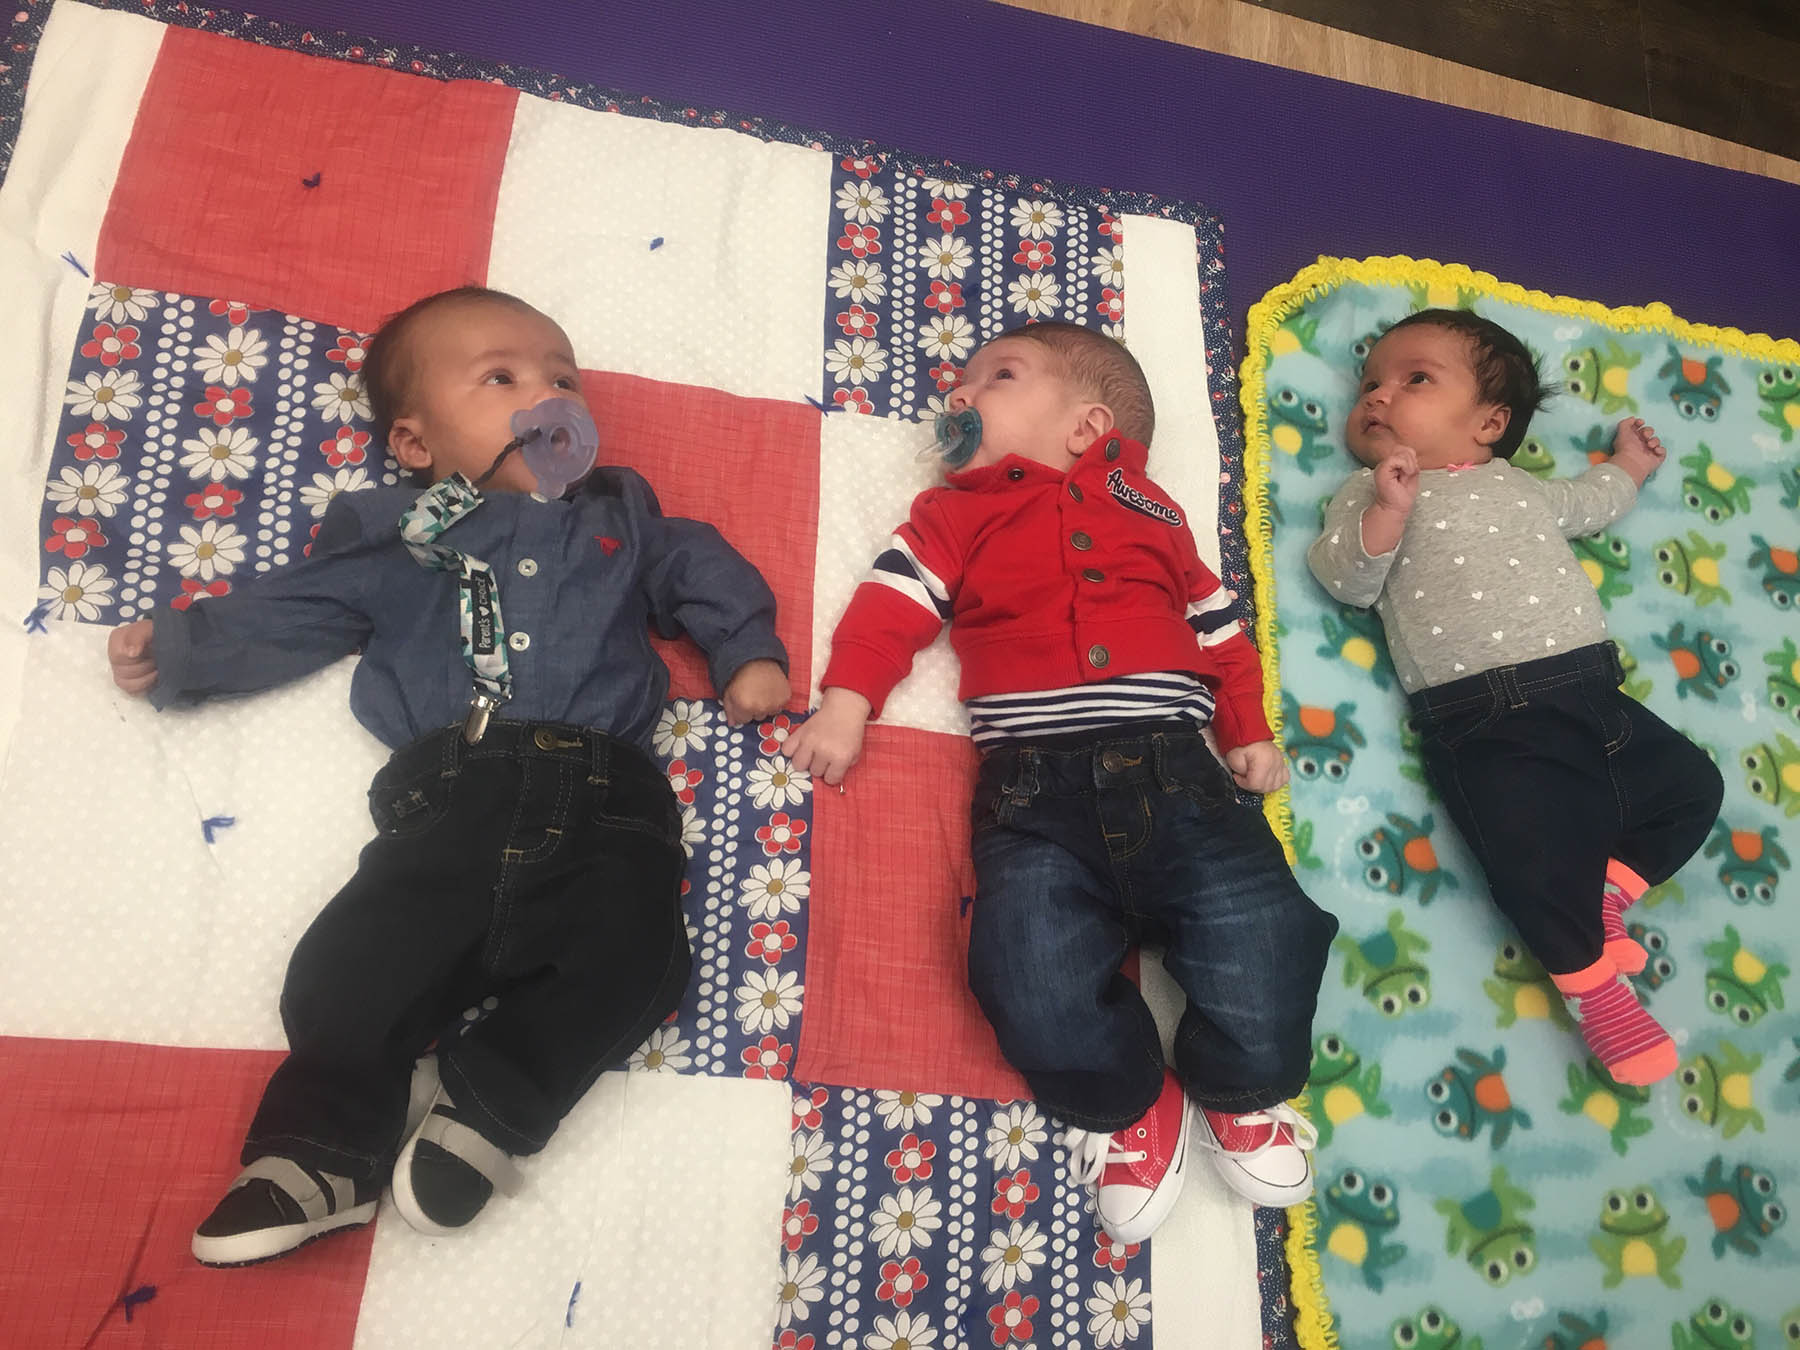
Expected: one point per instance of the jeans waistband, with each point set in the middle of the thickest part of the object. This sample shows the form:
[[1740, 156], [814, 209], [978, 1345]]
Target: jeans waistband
[[1083, 761], [1513, 685], [448, 752], [1084, 742]]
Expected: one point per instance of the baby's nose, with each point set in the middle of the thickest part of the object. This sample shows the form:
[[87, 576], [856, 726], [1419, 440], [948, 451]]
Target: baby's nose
[[958, 400]]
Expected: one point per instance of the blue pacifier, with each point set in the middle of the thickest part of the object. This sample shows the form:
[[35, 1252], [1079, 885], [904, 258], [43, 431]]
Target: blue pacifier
[[558, 441], [958, 436]]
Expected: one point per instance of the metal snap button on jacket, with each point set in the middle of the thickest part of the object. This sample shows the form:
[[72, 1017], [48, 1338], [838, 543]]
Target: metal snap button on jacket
[[1098, 656], [1081, 540]]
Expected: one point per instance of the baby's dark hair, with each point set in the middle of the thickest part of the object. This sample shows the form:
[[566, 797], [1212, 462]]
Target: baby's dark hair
[[1101, 367], [387, 371], [1506, 371]]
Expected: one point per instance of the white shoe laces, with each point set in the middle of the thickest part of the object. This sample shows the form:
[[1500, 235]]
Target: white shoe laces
[[1306, 1136], [1090, 1153]]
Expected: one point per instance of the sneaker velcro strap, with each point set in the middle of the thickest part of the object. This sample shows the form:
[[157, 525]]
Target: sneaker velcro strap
[[467, 1144], [303, 1187]]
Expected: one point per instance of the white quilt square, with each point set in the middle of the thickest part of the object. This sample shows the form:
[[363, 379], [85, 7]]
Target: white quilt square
[[869, 473], [661, 1195], [123, 921], [86, 82], [1163, 329], [690, 255]]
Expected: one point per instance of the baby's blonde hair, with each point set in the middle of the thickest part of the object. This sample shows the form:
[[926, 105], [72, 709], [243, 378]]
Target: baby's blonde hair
[[1101, 368]]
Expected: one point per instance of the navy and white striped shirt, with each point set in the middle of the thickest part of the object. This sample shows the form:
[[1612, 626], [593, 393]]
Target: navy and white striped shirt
[[1160, 696]]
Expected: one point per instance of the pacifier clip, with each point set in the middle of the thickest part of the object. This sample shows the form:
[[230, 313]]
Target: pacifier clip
[[483, 630]]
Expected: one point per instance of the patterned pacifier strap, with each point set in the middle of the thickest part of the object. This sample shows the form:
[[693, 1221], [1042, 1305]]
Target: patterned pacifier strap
[[478, 594]]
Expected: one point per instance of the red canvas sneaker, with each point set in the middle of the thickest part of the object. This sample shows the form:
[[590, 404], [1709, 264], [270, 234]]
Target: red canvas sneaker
[[1263, 1154], [1137, 1172]]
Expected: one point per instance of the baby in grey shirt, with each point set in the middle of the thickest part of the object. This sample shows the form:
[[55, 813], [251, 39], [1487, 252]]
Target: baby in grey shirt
[[1573, 798]]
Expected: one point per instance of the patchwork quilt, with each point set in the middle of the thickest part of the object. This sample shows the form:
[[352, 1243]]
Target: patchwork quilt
[[203, 216], [1483, 1180]]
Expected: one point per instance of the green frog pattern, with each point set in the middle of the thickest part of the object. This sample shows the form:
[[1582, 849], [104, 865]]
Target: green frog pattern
[[1632, 1233]]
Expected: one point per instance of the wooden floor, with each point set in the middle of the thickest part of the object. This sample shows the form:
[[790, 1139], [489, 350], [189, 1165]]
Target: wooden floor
[[1738, 74]]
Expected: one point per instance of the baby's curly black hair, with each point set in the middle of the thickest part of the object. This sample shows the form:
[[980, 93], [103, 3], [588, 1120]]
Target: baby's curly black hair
[[1506, 371]]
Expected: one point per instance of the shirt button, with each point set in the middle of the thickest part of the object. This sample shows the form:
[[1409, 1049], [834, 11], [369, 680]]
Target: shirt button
[[1092, 574], [519, 641], [1081, 540], [1112, 448], [528, 567], [1015, 474], [1098, 656], [1075, 491]]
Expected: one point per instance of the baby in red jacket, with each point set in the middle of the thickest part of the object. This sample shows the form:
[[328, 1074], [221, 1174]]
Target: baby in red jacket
[[1095, 645]]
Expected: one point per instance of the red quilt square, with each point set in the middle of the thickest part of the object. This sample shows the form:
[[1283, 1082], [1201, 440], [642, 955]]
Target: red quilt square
[[320, 188], [113, 1153], [887, 995], [749, 466]]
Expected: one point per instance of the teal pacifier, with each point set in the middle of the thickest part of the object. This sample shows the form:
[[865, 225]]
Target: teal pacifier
[[958, 436]]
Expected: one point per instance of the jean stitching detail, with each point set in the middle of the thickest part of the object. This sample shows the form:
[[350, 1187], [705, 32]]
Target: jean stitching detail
[[500, 925], [531, 1141]]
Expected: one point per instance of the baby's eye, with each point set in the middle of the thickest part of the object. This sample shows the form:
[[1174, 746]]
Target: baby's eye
[[497, 377], [1418, 377], [1004, 373], [567, 382], [1368, 385]]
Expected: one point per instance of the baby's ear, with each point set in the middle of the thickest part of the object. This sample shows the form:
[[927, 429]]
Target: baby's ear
[[1093, 421], [407, 447], [1493, 424]]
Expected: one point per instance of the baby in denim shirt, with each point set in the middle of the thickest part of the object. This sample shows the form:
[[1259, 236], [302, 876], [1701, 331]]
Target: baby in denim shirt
[[528, 858]]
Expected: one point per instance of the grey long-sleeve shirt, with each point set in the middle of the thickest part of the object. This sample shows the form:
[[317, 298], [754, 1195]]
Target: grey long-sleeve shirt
[[1483, 575], [581, 582]]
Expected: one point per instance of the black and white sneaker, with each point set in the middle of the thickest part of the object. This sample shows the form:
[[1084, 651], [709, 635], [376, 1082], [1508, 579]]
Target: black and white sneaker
[[276, 1205], [448, 1171]]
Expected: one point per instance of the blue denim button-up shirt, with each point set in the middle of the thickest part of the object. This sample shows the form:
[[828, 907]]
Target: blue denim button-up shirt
[[582, 580]]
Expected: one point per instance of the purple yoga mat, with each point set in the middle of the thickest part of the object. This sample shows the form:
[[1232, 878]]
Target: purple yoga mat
[[1296, 165]]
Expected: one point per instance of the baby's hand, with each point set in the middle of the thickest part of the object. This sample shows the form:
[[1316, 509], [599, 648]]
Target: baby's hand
[[1396, 488], [830, 741], [1397, 480], [1258, 767], [1637, 450], [759, 689], [133, 656]]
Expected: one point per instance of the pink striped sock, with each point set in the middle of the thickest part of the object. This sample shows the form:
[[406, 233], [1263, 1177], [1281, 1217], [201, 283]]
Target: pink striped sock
[[1627, 1040], [1621, 891]]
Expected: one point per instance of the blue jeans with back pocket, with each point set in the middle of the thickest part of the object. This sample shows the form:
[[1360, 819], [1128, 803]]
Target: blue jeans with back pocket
[[1084, 845]]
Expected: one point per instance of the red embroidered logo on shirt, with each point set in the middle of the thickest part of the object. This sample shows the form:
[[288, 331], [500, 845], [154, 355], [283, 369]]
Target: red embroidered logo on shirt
[[608, 545]]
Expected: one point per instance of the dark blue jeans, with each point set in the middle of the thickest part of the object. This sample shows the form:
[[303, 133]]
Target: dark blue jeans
[[1548, 769], [1084, 846], [540, 868]]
